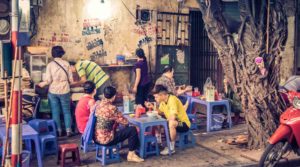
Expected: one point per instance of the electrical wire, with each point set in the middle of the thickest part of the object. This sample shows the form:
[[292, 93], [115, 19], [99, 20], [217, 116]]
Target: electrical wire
[[128, 9], [146, 36]]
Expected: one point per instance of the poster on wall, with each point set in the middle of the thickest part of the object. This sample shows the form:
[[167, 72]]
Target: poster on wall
[[24, 23]]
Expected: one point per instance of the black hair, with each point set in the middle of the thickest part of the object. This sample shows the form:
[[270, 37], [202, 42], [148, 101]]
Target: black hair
[[109, 92], [89, 87], [140, 53], [150, 98], [167, 68], [72, 63], [160, 89], [57, 51]]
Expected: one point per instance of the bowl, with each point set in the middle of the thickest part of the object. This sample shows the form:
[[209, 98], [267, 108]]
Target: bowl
[[151, 114]]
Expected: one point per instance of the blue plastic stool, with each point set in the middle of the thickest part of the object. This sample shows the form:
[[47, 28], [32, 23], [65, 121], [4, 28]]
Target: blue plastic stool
[[48, 144], [185, 140], [106, 154], [193, 118], [52, 127], [149, 148], [48, 139], [87, 146]]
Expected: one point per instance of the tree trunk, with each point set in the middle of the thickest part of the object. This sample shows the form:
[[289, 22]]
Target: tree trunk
[[237, 51]]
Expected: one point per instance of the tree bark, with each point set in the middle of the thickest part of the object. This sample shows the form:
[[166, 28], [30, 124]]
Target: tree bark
[[259, 96]]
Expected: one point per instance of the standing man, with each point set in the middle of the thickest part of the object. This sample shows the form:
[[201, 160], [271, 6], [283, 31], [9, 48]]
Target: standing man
[[90, 71], [172, 108]]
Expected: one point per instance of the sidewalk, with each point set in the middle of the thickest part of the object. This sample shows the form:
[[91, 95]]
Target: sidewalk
[[208, 152]]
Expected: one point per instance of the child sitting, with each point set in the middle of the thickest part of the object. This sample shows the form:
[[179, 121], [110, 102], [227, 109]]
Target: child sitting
[[84, 105]]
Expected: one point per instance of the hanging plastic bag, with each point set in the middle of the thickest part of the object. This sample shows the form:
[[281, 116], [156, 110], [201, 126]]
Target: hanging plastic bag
[[208, 83]]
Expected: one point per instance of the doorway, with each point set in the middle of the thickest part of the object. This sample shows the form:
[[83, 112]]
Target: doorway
[[204, 60]]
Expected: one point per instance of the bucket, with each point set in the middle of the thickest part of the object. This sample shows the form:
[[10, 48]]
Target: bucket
[[217, 121], [25, 158]]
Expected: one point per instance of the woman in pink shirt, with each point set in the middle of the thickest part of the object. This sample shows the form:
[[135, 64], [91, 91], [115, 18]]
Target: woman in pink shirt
[[84, 105]]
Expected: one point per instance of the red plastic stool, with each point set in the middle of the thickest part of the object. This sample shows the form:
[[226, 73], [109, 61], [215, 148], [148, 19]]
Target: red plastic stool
[[64, 149]]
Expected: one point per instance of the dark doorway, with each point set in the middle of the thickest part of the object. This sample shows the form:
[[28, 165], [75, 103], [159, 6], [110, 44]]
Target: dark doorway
[[204, 57]]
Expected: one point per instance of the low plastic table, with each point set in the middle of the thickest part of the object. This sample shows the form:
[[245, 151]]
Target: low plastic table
[[28, 133], [209, 105], [144, 122]]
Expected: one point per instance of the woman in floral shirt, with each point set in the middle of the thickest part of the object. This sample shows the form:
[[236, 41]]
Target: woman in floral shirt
[[107, 116]]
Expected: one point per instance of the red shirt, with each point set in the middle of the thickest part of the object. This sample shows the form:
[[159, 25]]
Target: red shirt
[[82, 113]]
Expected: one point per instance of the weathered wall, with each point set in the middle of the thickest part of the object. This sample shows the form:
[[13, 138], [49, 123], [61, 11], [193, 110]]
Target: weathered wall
[[288, 58], [62, 22], [81, 28], [65, 22]]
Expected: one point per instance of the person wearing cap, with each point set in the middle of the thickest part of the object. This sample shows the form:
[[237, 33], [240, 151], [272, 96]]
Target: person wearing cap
[[107, 117], [84, 106], [142, 83], [172, 108], [90, 71], [167, 80], [59, 78]]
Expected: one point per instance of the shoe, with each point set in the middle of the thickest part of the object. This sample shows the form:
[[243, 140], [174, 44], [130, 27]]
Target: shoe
[[59, 133], [69, 134], [134, 158], [165, 151]]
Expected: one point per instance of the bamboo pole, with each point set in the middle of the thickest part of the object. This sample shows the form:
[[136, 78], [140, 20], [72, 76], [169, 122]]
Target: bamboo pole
[[9, 109], [5, 92]]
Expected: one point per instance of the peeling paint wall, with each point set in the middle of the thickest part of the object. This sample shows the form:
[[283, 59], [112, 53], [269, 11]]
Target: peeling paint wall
[[81, 28], [78, 26]]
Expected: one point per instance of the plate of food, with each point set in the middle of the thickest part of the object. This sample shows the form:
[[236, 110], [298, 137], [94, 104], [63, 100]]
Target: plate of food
[[153, 114]]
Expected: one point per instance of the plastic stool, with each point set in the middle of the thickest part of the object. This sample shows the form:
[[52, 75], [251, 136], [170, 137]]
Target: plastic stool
[[87, 146], [185, 140], [41, 126], [64, 149], [193, 118], [149, 148], [106, 154], [45, 141], [52, 127]]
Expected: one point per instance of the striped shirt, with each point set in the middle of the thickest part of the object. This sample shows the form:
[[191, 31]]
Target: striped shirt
[[92, 71]]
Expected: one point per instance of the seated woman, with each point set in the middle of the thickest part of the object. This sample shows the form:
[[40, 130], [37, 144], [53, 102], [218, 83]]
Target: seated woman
[[107, 116], [84, 105], [167, 81]]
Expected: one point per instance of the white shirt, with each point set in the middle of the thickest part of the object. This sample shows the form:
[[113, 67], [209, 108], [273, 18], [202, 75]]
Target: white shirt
[[57, 78]]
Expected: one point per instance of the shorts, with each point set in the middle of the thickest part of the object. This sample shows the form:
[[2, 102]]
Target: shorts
[[182, 127]]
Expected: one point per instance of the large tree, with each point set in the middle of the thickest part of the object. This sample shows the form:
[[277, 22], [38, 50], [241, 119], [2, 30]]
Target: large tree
[[237, 51]]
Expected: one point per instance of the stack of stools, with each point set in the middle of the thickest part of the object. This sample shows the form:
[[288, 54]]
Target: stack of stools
[[151, 145], [62, 154], [108, 154], [48, 139], [185, 140]]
